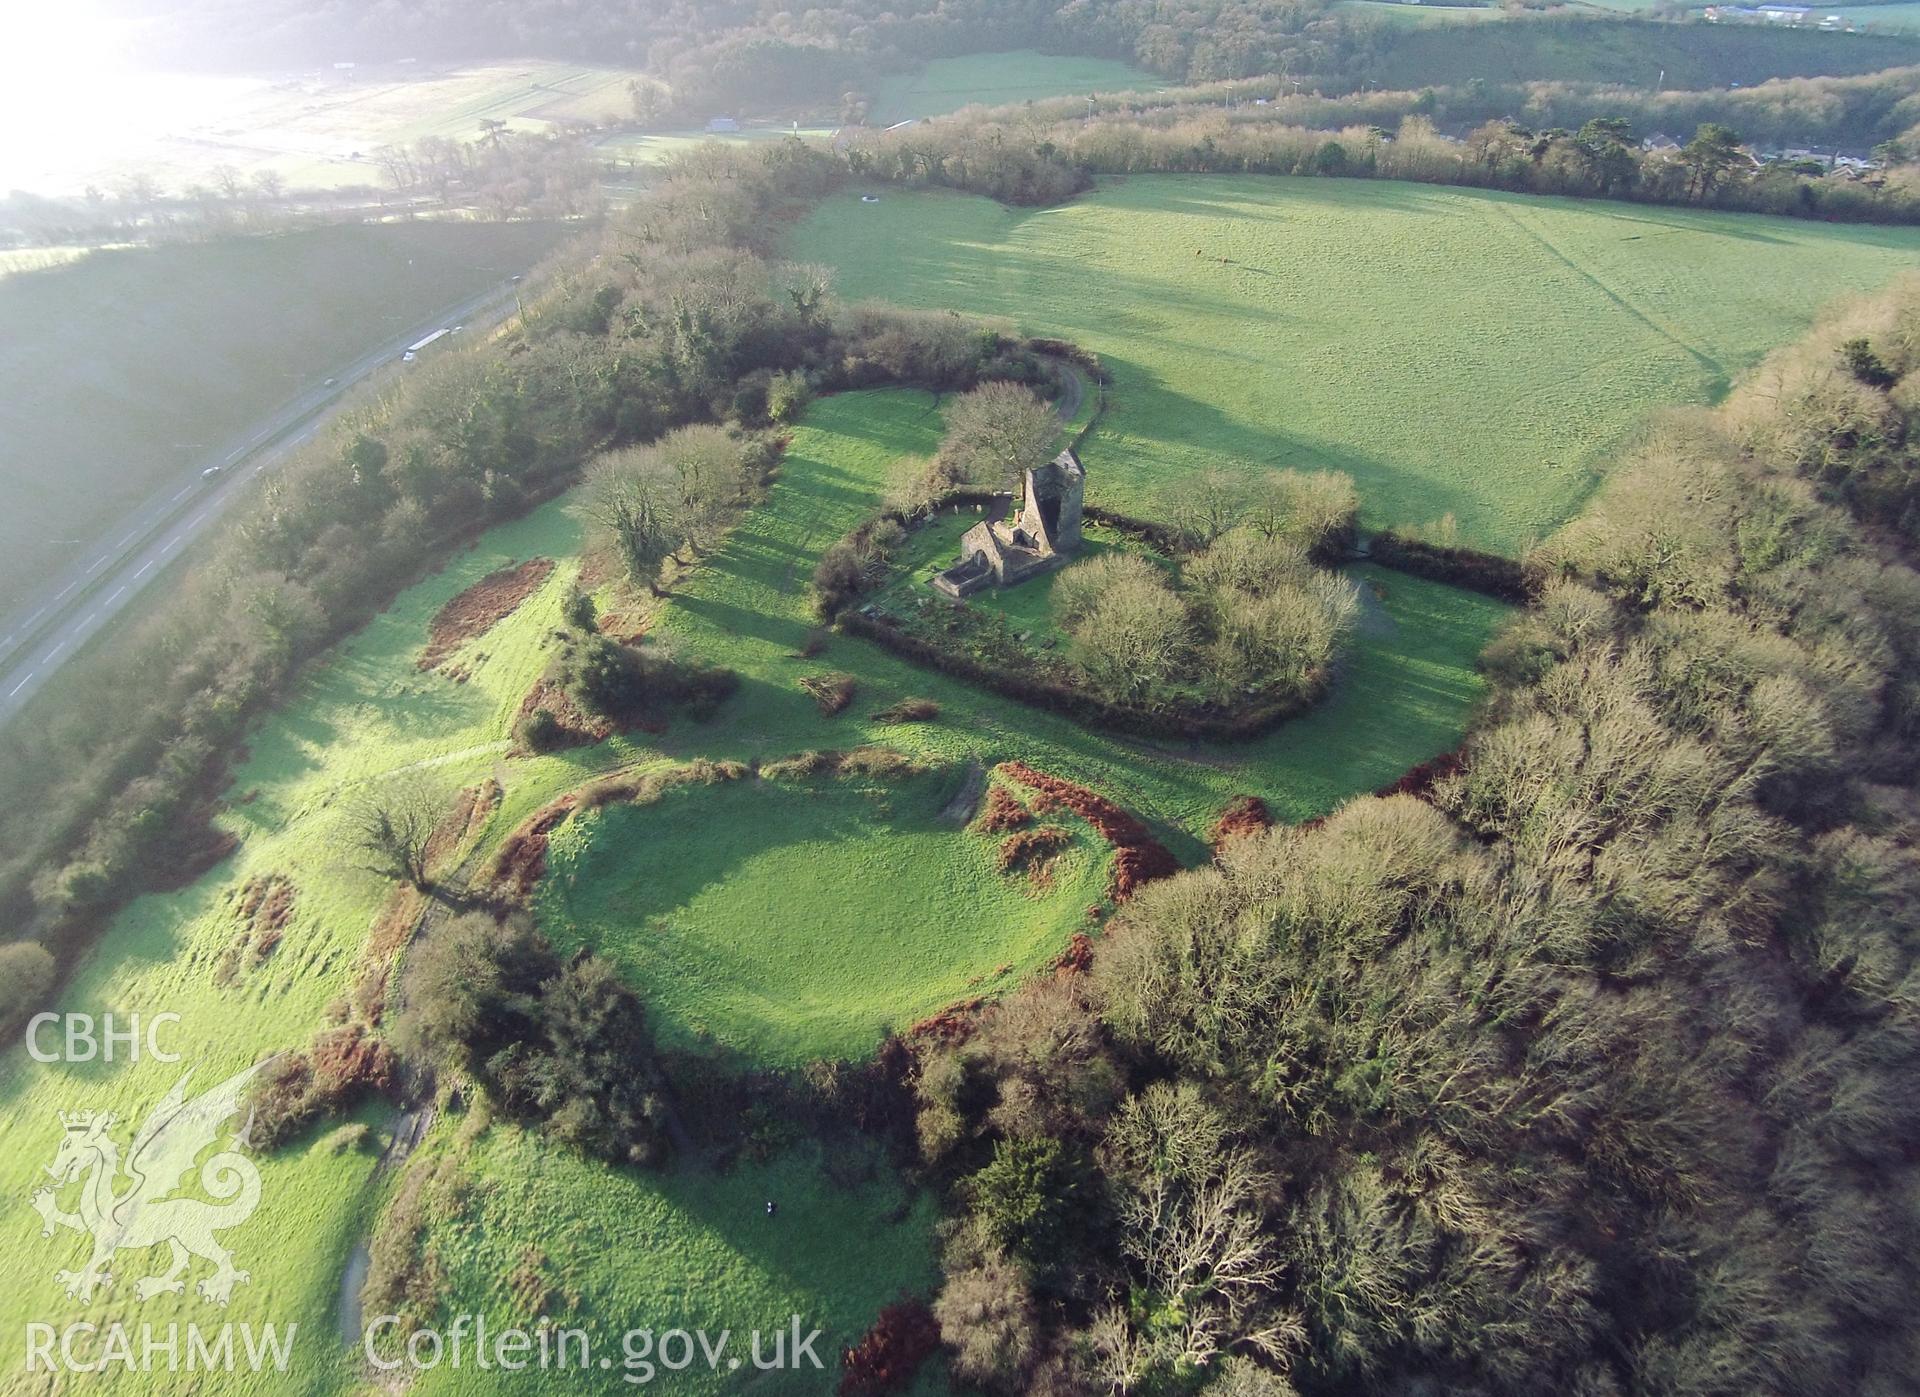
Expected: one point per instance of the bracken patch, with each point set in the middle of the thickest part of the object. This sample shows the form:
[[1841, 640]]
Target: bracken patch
[[1032, 851], [1138, 857], [888, 1355], [481, 607], [1002, 813], [522, 860], [1244, 815]]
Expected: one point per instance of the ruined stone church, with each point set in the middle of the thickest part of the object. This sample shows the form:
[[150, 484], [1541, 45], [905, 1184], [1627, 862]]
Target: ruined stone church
[[1044, 535]]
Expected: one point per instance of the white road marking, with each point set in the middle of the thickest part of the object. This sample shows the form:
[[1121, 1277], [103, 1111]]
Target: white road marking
[[194, 523], [89, 621], [36, 615], [184, 493], [128, 539], [64, 590], [97, 564], [143, 569], [117, 594], [22, 684], [56, 649]]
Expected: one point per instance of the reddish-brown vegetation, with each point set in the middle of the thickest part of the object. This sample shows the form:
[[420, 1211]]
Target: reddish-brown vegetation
[[1077, 959], [832, 692], [471, 808], [1033, 851], [518, 867], [1002, 813], [340, 1067], [481, 607], [1138, 857], [577, 727], [1244, 815], [1420, 779], [264, 908], [953, 1024], [885, 1360], [908, 710]]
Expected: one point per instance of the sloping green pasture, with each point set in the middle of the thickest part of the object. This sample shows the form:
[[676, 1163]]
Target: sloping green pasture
[[1459, 353]]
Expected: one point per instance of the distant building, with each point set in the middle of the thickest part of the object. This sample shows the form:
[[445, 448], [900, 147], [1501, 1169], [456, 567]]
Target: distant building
[[1001, 553], [1784, 14], [722, 125]]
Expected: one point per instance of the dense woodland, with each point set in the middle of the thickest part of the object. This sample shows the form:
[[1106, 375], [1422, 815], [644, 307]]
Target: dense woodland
[[1587, 1068], [1855, 113]]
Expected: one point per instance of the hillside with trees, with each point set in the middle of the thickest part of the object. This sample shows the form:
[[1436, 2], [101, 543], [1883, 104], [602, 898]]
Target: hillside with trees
[[1584, 1068]]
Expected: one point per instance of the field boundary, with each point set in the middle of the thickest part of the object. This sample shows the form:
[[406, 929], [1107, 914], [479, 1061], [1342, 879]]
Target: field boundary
[[1467, 568]]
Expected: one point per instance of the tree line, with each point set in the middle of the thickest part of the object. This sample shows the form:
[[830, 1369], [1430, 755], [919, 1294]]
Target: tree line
[[1017, 158], [1855, 112], [1584, 1068]]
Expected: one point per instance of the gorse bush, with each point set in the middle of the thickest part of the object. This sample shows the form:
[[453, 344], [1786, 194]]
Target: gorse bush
[[563, 1044]]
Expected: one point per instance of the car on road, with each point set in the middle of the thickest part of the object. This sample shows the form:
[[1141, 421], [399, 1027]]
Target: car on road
[[211, 471]]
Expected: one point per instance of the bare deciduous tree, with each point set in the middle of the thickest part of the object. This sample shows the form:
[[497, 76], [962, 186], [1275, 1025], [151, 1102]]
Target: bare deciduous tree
[[391, 827], [634, 497], [996, 431]]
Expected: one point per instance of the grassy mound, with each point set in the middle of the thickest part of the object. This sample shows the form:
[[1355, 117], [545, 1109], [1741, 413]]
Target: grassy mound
[[1457, 352], [795, 919]]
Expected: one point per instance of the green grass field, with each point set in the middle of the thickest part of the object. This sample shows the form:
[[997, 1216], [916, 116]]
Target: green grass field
[[690, 1249], [1602, 47], [1458, 352], [1876, 19], [656, 147], [793, 920], [120, 372], [995, 79]]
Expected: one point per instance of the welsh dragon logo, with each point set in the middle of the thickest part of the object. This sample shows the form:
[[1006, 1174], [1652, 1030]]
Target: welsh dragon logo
[[139, 1215]]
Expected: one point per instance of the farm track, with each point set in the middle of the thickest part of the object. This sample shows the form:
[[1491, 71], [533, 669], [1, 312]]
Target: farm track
[[1716, 371]]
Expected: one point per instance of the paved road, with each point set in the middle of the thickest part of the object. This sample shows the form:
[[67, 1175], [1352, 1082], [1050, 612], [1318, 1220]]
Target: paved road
[[43, 632]]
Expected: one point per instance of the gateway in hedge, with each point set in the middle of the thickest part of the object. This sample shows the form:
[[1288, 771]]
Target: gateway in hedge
[[1045, 536]]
